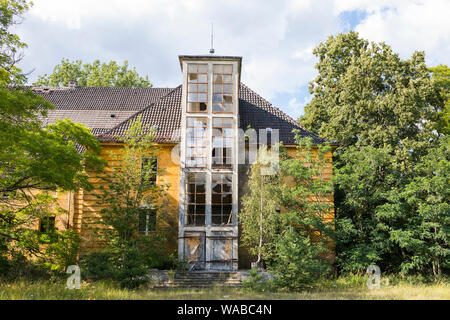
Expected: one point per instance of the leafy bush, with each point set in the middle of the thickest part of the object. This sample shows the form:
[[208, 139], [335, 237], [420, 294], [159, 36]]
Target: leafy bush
[[298, 261], [63, 250], [256, 282], [97, 265]]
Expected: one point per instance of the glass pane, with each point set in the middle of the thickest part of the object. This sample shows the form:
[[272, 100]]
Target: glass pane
[[216, 178], [217, 88], [228, 88], [202, 88], [192, 97], [218, 107], [192, 87], [226, 78], [192, 67], [228, 132], [202, 97], [203, 106], [228, 107], [217, 97], [227, 123], [202, 68], [228, 68], [218, 68], [218, 78], [227, 178], [202, 78]]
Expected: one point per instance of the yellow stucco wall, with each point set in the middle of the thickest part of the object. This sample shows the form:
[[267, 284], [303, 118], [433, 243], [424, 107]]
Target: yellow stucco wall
[[87, 208]]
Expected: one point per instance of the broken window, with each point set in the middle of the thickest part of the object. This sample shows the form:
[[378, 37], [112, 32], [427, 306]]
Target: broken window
[[196, 142], [222, 148], [222, 199], [196, 199], [197, 97], [223, 88]]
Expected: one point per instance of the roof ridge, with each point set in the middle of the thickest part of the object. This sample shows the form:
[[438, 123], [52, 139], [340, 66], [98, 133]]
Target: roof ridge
[[139, 112]]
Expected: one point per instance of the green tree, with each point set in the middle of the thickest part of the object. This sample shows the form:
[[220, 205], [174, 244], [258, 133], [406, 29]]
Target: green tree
[[11, 46], [95, 74], [306, 239], [441, 76], [33, 156], [384, 112], [136, 226], [259, 217], [424, 206]]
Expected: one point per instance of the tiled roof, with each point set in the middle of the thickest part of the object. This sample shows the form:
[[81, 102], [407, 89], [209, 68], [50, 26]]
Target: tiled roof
[[159, 107], [102, 98]]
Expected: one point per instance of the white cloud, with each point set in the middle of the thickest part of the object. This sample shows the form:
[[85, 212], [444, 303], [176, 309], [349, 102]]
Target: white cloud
[[412, 25], [275, 38]]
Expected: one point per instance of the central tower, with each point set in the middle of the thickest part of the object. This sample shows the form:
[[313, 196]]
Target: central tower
[[208, 224]]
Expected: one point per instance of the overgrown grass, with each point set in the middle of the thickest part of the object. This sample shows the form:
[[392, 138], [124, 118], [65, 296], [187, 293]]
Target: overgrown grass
[[338, 289]]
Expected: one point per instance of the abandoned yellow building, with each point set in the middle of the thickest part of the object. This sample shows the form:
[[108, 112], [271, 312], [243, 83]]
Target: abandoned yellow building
[[199, 126]]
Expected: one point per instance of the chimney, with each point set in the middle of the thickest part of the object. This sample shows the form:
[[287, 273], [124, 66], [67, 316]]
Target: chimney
[[72, 84]]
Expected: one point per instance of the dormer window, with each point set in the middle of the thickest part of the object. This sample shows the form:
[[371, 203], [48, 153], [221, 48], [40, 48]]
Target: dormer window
[[197, 93], [223, 88]]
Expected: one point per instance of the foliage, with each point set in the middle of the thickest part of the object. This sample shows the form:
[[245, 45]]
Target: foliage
[[441, 76], [384, 112], [97, 265], [259, 219], [95, 74], [11, 46], [34, 156], [424, 205], [304, 244], [129, 190], [297, 236], [299, 261], [63, 249], [256, 283]]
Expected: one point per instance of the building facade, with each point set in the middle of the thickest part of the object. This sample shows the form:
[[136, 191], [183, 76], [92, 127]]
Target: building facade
[[204, 158]]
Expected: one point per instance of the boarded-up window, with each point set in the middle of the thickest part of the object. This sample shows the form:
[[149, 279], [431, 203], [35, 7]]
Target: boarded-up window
[[194, 249]]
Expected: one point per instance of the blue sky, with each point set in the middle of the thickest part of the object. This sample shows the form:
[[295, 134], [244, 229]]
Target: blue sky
[[275, 38]]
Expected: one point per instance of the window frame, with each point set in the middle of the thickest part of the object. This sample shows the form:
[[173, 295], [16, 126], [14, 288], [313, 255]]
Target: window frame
[[188, 215], [221, 194], [222, 137], [205, 147], [222, 92], [197, 83]]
